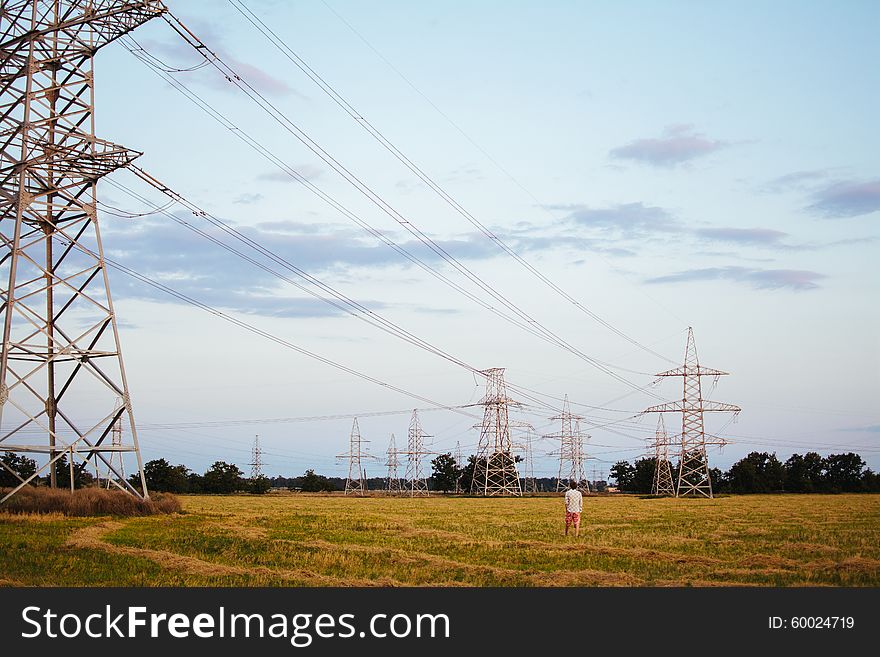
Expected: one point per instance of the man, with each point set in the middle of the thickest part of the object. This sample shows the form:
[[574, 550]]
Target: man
[[574, 504]]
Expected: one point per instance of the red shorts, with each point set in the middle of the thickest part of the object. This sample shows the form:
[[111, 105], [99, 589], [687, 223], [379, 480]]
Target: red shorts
[[572, 518]]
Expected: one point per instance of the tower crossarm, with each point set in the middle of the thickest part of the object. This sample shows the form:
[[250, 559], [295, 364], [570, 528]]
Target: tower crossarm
[[680, 406], [104, 22], [691, 370]]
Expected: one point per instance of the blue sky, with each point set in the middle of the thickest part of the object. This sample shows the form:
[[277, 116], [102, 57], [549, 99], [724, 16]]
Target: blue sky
[[667, 164]]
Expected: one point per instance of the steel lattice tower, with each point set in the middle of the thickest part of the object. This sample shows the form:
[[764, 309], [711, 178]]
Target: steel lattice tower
[[458, 464], [663, 484], [495, 470], [256, 460], [392, 481], [529, 483], [571, 449], [356, 483], [416, 481], [115, 457], [693, 470], [61, 357]]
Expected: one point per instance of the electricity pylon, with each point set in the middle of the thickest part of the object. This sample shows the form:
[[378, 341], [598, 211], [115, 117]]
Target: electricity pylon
[[256, 460], [663, 484], [356, 483], [115, 457], [693, 469], [459, 465], [529, 483], [416, 481], [571, 449], [392, 481], [495, 470], [61, 356]]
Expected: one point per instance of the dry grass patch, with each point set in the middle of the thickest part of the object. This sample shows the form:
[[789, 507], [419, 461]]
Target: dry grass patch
[[86, 502]]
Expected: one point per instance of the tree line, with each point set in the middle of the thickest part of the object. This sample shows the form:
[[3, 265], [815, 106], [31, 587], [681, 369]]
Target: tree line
[[763, 472]]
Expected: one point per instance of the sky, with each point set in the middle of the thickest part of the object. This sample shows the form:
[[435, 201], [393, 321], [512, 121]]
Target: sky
[[667, 165]]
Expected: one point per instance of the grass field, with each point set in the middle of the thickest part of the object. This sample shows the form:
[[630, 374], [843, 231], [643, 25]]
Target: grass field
[[303, 540]]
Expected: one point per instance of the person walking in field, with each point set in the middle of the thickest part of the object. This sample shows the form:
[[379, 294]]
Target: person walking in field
[[574, 504]]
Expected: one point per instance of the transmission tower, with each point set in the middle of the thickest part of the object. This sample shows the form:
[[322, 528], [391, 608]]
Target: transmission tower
[[392, 481], [61, 357], [256, 460], [416, 481], [529, 483], [115, 457], [495, 470], [663, 484], [571, 449], [459, 465], [356, 483], [693, 469]]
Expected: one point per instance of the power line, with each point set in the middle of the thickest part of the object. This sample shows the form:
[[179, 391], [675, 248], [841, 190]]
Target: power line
[[359, 118], [291, 127]]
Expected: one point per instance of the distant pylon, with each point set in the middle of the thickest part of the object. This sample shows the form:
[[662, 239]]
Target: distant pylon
[[529, 483], [495, 470], [693, 469], [571, 449], [416, 481], [116, 461], [392, 481], [256, 460], [459, 465], [356, 483], [663, 484]]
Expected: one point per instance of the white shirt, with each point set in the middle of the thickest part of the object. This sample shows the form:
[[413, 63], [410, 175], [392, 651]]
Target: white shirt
[[574, 501]]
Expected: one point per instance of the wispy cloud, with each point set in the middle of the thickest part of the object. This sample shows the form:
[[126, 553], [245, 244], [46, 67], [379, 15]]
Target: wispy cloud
[[678, 144], [847, 199], [629, 219], [762, 279], [746, 236], [307, 171], [184, 56], [797, 180]]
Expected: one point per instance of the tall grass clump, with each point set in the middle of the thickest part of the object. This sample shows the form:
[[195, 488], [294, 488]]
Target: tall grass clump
[[87, 502]]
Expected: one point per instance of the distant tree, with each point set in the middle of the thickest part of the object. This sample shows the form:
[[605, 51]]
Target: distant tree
[[759, 472], [222, 477], [195, 482], [259, 485], [314, 483], [804, 474], [81, 476], [467, 472], [163, 477], [445, 472], [870, 481], [623, 473], [843, 472], [20, 465], [720, 483], [643, 476]]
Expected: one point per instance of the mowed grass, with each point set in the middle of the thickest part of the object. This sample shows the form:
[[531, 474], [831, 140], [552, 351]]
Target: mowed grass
[[305, 540]]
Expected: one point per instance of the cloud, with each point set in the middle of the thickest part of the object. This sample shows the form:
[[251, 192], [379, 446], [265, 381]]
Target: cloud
[[678, 144], [307, 171], [762, 279], [630, 219], [847, 199], [185, 57], [203, 270], [247, 199], [747, 236], [796, 180]]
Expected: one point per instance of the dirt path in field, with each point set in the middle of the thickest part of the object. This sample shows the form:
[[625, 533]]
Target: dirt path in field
[[583, 577], [92, 538]]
